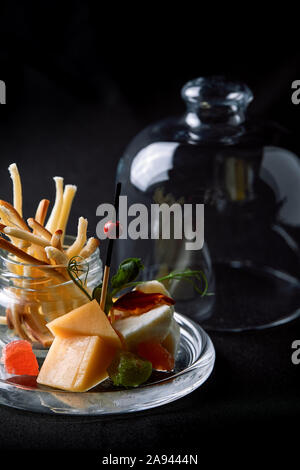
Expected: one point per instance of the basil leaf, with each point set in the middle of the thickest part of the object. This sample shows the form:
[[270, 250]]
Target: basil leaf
[[128, 271]]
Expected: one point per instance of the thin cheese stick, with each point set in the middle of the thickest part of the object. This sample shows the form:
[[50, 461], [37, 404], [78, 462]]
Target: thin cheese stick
[[55, 213], [56, 240], [39, 229], [17, 187], [13, 217], [69, 193], [27, 236], [78, 244], [41, 211], [91, 245], [59, 258]]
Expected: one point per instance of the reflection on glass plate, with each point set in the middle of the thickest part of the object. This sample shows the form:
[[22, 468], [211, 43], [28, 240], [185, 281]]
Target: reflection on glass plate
[[194, 364]]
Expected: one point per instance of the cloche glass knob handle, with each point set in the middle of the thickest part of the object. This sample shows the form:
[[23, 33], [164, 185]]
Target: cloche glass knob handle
[[216, 100]]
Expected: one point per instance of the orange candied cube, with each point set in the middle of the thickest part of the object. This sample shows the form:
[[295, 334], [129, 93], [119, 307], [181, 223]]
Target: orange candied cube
[[19, 359], [159, 356]]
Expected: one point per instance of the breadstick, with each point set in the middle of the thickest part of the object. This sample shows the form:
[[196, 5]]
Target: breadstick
[[39, 229], [8, 318], [36, 325], [91, 245], [69, 193], [17, 187], [6, 245], [16, 321], [38, 252], [59, 258], [27, 236], [13, 217], [41, 211], [78, 244], [5, 218], [24, 244], [53, 273], [55, 213], [56, 240]]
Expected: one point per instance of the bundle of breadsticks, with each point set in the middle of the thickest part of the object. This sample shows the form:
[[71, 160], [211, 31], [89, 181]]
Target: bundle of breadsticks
[[38, 260]]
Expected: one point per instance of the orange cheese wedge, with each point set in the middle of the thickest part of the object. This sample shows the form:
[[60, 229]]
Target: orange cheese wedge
[[77, 363], [87, 320]]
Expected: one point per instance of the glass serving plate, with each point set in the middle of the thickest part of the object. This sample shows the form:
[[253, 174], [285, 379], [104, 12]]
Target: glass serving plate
[[194, 363]]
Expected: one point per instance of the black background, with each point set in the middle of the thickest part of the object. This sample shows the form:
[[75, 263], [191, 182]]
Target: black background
[[81, 82]]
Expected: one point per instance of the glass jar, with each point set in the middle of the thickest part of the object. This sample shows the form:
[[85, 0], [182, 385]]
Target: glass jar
[[249, 183], [31, 296]]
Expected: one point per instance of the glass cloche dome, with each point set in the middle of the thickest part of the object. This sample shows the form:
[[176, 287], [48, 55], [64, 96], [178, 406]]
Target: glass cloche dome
[[249, 185]]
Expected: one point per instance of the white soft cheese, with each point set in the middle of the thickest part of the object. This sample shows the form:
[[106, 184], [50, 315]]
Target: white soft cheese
[[152, 287], [153, 325], [172, 340]]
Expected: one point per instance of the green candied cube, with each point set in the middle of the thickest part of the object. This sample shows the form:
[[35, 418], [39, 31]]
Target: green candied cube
[[129, 370]]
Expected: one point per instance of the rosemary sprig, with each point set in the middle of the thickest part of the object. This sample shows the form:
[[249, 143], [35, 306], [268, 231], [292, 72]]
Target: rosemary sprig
[[75, 270], [196, 277]]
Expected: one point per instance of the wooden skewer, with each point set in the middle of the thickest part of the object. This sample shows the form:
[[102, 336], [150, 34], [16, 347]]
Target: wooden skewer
[[104, 287], [109, 252]]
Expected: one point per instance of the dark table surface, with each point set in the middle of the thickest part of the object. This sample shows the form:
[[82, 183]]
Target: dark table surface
[[253, 391]]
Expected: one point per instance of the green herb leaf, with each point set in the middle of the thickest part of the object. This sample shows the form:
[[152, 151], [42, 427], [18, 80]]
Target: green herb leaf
[[129, 370], [196, 277], [128, 271]]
